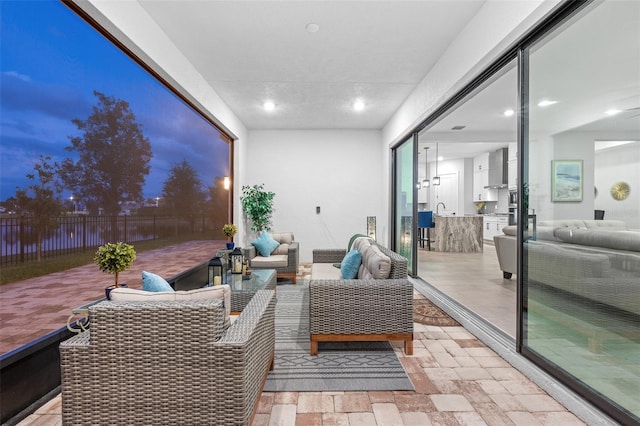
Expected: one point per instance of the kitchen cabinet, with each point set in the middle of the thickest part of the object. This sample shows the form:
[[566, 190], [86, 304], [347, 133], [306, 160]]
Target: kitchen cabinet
[[481, 179], [492, 225]]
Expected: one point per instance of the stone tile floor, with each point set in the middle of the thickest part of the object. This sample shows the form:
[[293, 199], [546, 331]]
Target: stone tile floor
[[458, 380]]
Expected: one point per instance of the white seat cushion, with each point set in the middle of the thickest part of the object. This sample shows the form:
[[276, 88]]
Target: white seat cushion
[[273, 261], [324, 271]]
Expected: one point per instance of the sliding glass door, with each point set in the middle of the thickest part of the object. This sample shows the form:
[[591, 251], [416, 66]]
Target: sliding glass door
[[581, 248], [404, 203]]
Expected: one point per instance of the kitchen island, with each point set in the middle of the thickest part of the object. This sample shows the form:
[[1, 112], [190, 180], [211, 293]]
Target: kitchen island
[[460, 234]]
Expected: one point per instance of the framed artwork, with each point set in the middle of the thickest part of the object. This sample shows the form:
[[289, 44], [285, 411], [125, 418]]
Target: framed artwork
[[566, 180]]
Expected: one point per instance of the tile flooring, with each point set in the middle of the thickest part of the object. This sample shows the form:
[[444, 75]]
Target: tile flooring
[[458, 381]]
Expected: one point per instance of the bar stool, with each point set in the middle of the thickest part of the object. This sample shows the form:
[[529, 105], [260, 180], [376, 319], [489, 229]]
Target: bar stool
[[425, 221]]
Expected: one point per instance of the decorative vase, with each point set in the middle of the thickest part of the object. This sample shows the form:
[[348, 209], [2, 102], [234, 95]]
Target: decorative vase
[[231, 245], [107, 290]]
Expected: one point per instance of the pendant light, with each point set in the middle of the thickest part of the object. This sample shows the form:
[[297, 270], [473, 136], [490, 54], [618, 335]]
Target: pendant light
[[436, 178], [425, 182]]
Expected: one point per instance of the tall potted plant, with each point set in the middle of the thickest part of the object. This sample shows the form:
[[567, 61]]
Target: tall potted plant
[[257, 204], [114, 258], [229, 230]]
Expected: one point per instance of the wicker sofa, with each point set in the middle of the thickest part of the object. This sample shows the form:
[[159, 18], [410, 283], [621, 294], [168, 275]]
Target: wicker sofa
[[285, 258], [367, 309], [159, 363]]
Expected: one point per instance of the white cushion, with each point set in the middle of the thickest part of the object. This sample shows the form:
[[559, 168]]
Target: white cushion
[[283, 237], [376, 263], [282, 249], [216, 292], [219, 292], [125, 294], [324, 271], [273, 261]]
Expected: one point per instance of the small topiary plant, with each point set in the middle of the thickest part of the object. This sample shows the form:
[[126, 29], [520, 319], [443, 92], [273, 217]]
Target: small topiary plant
[[229, 230], [114, 258]]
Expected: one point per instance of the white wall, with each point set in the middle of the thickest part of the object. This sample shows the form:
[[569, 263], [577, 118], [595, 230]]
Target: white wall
[[338, 170], [613, 165]]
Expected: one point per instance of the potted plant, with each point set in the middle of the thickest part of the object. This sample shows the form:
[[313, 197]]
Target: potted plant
[[114, 258], [229, 230], [257, 204]]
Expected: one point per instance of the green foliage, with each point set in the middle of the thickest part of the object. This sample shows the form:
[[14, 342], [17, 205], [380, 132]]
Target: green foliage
[[114, 258], [229, 230], [40, 200], [257, 204], [114, 157]]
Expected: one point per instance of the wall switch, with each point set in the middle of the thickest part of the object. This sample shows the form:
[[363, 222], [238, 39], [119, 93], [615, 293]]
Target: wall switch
[[317, 209]]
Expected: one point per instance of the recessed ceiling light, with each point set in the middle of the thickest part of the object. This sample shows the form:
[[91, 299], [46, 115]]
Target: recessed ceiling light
[[546, 102], [358, 105], [312, 28], [613, 112], [509, 113], [269, 106], [440, 158]]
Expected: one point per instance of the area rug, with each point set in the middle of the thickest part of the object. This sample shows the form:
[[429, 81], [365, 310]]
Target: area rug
[[343, 366], [425, 312]]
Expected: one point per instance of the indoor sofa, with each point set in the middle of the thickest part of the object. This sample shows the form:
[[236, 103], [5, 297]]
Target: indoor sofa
[[595, 259], [168, 362], [376, 305], [284, 258]]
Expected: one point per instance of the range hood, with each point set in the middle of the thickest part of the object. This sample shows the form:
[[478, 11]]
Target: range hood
[[498, 169]]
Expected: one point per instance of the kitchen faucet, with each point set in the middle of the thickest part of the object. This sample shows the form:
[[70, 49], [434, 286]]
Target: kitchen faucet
[[438, 207]]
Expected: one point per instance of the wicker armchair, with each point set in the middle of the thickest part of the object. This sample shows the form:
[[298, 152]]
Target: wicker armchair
[[284, 260], [159, 363], [361, 309]]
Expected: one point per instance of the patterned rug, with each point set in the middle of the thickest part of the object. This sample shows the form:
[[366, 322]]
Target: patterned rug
[[344, 366], [425, 312]]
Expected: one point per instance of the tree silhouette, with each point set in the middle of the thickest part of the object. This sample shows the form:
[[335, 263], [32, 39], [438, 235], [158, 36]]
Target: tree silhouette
[[218, 207], [114, 157], [182, 192], [40, 201]]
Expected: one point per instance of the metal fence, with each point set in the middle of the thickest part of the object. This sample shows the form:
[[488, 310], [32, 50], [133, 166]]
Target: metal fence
[[75, 233]]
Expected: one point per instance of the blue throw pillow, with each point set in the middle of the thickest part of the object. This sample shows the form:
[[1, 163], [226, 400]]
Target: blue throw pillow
[[153, 282], [265, 244], [350, 265]]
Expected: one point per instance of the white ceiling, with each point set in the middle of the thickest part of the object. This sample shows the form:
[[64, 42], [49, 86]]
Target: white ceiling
[[254, 51]]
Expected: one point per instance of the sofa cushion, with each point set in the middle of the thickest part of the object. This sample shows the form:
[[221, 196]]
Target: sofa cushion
[[510, 230], [154, 282], [619, 240], [283, 237], [361, 244], [282, 249], [350, 264], [271, 262], [265, 244], [324, 271], [376, 263], [619, 225], [219, 292], [125, 294]]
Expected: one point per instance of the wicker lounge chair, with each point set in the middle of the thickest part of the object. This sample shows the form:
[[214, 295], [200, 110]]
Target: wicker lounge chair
[[156, 363]]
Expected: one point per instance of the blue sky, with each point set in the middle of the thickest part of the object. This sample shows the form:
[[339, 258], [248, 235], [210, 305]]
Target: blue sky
[[51, 62]]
